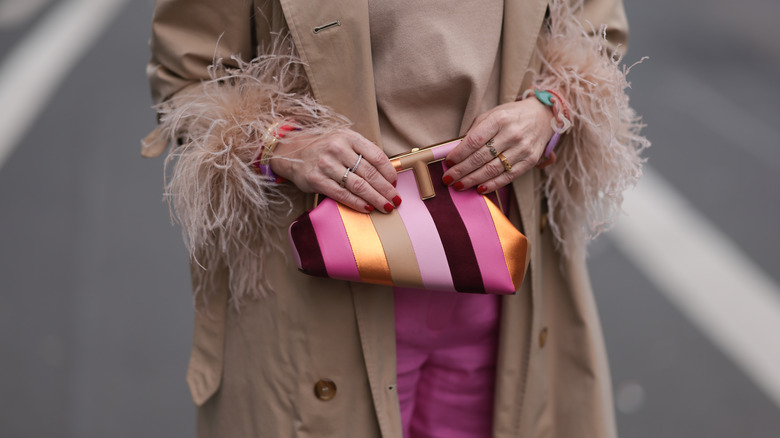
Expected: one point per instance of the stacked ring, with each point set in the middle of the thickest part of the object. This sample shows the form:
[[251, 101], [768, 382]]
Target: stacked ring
[[351, 169], [490, 147], [505, 162], [354, 168]]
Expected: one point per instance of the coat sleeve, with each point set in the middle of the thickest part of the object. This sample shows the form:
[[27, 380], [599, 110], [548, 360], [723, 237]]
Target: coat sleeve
[[187, 36], [600, 157], [225, 76]]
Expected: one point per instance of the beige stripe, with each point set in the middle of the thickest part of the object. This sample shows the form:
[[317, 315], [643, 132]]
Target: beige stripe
[[398, 249]]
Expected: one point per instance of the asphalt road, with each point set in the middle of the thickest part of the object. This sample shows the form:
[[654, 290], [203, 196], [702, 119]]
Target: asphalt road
[[95, 304]]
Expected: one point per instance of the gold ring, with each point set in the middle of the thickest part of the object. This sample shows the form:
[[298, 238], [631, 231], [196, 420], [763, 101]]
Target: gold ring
[[490, 147], [507, 166], [344, 178]]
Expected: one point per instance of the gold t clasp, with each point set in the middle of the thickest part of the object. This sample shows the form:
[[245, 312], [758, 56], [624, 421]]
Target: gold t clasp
[[417, 161]]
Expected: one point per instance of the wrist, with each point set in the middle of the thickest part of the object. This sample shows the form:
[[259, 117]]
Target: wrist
[[270, 146], [560, 122]]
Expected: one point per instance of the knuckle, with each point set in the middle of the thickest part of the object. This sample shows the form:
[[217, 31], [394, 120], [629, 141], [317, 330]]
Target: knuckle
[[493, 170], [475, 140], [508, 177], [474, 160], [515, 133], [378, 156], [359, 186], [341, 196], [503, 117], [498, 118], [322, 161], [312, 179], [370, 173], [332, 147]]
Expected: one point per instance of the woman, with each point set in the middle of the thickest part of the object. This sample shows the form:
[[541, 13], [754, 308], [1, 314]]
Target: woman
[[304, 356]]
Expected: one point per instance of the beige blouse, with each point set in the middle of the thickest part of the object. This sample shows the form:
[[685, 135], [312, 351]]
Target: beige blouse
[[436, 67]]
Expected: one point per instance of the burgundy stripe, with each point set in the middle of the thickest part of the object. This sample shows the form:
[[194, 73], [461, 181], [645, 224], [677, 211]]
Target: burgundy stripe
[[454, 237], [305, 239]]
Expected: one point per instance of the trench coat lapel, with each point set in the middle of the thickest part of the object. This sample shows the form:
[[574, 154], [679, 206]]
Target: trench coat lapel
[[340, 70], [347, 86], [338, 57], [522, 22]]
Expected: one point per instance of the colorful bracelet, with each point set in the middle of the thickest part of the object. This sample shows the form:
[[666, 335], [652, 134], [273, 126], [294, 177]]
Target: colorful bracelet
[[560, 123], [262, 164]]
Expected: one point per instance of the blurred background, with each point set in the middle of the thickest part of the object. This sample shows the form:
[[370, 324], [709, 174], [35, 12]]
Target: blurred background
[[95, 304]]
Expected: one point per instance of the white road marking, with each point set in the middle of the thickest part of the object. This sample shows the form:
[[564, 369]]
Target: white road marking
[[15, 13], [33, 71], [706, 276]]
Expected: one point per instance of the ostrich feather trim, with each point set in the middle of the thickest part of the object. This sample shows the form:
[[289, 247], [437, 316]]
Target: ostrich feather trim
[[228, 212], [600, 157]]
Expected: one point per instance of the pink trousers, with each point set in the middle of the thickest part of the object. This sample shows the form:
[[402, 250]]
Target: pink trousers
[[446, 347]]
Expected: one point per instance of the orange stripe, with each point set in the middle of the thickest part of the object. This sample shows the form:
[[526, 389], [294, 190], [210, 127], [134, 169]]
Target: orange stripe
[[513, 243], [366, 246]]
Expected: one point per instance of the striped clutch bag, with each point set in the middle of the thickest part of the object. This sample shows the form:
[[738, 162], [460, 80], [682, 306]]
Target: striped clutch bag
[[438, 238]]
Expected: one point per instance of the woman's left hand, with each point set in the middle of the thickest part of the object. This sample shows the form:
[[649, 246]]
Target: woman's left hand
[[520, 132]]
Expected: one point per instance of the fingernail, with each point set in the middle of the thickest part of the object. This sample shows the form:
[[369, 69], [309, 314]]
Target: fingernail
[[458, 185], [449, 162], [388, 207], [447, 180], [482, 189], [397, 201], [395, 183], [369, 208]]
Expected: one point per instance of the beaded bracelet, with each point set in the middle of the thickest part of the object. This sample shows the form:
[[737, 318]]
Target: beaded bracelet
[[262, 164]]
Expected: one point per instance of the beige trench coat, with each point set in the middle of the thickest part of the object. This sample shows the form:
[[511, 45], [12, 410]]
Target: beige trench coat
[[317, 357]]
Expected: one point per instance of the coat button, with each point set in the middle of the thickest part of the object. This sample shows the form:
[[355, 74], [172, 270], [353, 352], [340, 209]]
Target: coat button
[[543, 337], [325, 389]]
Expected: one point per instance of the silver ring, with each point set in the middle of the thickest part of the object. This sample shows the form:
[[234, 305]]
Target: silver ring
[[490, 147], [354, 168], [344, 178]]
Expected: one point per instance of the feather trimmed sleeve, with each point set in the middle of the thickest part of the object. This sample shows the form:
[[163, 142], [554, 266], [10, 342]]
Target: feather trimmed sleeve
[[227, 210], [601, 156], [216, 106]]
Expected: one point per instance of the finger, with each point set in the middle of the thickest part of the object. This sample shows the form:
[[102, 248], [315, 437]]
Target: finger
[[376, 156], [495, 175], [366, 171], [365, 191], [475, 139], [475, 161], [342, 195]]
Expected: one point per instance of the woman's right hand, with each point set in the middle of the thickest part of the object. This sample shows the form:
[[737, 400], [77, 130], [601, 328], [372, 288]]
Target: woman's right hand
[[318, 164]]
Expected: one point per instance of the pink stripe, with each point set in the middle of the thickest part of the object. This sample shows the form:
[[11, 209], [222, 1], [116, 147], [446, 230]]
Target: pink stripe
[[434, 270], [487, 247], [440, 152], [334, 243], [294, 249]]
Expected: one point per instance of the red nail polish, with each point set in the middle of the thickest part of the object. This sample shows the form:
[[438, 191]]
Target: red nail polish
[[449, 162], [447, 180], [388, 207], [482, 189], [397, 201], [395, 183], [369, 208], [458, 185]]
